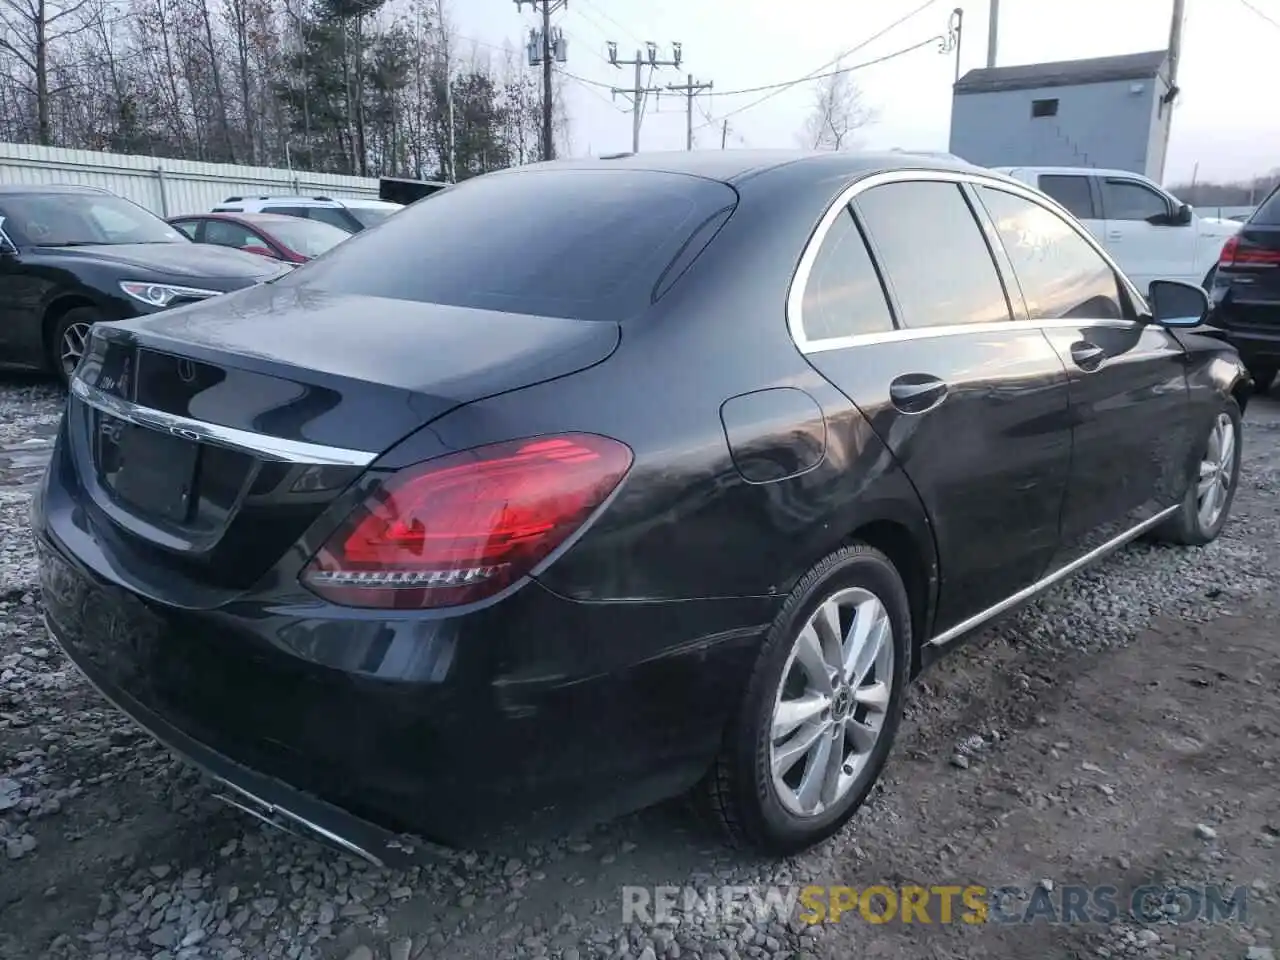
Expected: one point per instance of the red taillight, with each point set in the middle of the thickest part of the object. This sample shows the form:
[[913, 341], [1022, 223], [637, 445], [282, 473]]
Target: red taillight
[[1237, 254], [465, 526]]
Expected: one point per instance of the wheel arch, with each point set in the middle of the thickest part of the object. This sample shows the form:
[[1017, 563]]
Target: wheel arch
[[910, 548], [58, 308]]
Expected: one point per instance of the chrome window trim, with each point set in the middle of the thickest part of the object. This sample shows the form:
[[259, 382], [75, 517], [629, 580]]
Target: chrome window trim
[[243, 441], [800, 279]]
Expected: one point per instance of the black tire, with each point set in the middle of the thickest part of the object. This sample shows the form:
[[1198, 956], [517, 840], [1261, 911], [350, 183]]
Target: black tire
[[1188, 527], [77, 318], [1264, 378], [739, 789]]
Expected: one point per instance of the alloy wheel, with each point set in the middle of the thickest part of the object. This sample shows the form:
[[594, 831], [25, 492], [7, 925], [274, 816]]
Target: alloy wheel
[[71, 348], [832, 702], [1217, 472]]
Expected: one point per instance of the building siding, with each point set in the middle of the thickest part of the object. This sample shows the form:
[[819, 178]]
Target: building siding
[[167, 187], [1097, 125]]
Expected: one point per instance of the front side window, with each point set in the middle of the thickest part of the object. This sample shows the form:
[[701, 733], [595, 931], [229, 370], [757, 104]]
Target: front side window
[[1062, 276], [843, 296], [933, 254], [1072, 192], [1130, 200], [81, 219], [227, 233]]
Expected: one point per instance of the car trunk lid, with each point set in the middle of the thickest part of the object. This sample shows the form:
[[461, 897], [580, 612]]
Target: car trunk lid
[[216, 434]]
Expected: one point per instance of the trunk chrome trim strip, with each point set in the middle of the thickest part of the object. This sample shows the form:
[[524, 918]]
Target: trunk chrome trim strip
[[1075, 566], [244, 441]]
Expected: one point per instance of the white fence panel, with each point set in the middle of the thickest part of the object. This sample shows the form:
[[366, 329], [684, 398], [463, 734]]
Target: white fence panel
[[168, 187]]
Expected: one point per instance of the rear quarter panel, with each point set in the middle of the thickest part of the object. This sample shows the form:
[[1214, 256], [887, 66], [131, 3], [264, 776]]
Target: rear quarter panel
[[685, 523]]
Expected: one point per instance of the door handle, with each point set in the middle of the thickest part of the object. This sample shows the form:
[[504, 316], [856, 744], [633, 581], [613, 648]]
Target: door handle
[[1115, 235], [1087, 356], [916, 393]]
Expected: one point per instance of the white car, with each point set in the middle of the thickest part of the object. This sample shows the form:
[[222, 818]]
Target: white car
[[349, 214], [1151, 233]]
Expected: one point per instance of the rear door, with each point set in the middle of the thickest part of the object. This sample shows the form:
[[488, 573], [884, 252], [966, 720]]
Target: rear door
[[919, 334], [1129, 401], [1142, 235]]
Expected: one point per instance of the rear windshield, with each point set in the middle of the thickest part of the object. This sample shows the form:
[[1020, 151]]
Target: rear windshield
[[583, 244], [1268, 214]]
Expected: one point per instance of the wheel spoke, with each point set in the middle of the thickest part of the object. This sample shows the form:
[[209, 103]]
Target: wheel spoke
[[1228, 457], [811, 660], [835, 763], [788, 755], [861, 736], [826, 621], [1206, 481], [789, 714], [809, 793], [865, 640], [874, 696]]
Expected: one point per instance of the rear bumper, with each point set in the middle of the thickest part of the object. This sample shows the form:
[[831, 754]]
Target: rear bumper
[[534, 715], [1252, 328]]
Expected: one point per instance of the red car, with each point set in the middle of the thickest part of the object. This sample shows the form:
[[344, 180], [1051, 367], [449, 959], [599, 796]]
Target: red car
[[273, 235]]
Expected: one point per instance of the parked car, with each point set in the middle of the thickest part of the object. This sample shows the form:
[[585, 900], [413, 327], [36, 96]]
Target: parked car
[[1246, 291], [73, 256], [349, 215], [451, 539], [1149, 232], [266, 234]]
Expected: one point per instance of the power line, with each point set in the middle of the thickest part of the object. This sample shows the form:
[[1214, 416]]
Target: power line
[[590, 87], [604, 13], [811, 75], [1265, 16], [779, 88]]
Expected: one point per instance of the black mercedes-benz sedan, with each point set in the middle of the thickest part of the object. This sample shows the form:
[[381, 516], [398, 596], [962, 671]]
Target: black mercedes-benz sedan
[[590, 483], [71, 256]]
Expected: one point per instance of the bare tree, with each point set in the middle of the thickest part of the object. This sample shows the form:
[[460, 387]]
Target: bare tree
[[838, 112], [28, 28]]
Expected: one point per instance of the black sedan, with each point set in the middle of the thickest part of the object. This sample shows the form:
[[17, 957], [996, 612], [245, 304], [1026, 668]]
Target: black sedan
[[71, 256], [675, 480]]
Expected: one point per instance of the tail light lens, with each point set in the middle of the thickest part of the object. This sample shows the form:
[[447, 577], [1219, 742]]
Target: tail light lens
[[1237, 254], [463, 527]]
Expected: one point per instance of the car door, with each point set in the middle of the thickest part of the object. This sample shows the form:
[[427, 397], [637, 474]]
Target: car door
[[1128, 392], [915, 328], [1143, 235], [1078, 195]]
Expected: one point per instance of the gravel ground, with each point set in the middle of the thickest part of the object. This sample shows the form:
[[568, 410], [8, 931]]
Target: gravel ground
[[1122, 730]]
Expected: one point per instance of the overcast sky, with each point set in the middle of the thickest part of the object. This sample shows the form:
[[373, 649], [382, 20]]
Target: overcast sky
[[1223, 119]]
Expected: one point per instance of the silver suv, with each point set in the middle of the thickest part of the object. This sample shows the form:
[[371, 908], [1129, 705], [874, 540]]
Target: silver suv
[[351, 215]]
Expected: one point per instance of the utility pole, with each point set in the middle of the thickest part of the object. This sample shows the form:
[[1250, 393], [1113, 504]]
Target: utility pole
[[543, 47], [639, 91], [1175, 54], [724, 132], [993, 31], [690, 90]]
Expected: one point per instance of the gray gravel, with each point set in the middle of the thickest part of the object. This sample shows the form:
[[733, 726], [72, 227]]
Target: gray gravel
[[177, 876]]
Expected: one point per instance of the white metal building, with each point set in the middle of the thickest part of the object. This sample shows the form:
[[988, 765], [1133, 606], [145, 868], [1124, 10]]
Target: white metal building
[[168, 187]]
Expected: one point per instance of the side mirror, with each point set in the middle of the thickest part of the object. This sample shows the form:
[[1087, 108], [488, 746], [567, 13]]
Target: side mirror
[[260, 251], [1178, 304], [1183, 215]]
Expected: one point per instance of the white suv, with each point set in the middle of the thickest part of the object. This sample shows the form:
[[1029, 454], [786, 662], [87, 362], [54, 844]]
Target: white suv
[[1151, 234], [351, 215]]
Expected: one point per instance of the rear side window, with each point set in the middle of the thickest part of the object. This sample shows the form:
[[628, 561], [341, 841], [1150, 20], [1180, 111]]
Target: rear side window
[[287, 211], [1072, 192], [933, 253], [584, 244], [843, 296], [1062, 276], [1268, 212], [189, 227]]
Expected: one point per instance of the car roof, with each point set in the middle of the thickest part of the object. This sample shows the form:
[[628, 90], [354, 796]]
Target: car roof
[[735, 166], [1075, 171], [35, 189]]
